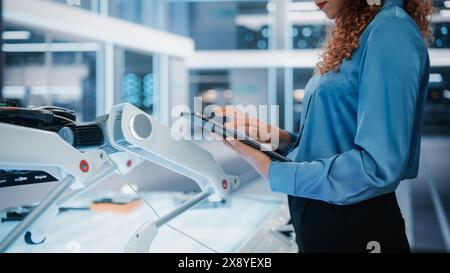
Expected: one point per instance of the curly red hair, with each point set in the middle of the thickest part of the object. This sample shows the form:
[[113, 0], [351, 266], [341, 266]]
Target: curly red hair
[[344, 36]]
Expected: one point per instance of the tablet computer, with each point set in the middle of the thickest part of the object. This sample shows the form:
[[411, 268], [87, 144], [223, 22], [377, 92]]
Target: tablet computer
[[214, 126]]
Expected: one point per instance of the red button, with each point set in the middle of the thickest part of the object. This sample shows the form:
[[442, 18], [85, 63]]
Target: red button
[[84, 166], [129, 163], [225, 184]]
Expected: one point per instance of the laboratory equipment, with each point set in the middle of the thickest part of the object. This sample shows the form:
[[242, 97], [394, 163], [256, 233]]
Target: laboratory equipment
[[125, 129]]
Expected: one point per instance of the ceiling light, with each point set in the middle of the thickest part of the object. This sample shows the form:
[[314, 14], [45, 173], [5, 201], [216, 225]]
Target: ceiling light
[[16, 35]]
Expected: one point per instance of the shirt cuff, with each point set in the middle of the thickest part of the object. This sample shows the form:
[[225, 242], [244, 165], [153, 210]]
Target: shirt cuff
[[282, 177]]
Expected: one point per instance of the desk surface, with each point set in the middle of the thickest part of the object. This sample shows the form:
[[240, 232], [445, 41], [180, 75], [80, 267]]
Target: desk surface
[[224, 229]]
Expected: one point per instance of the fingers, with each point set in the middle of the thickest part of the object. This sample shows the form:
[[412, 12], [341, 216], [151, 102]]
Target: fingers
[[227, 111], [255, 131], [244, 124], [240, 127], [219, 111], [238, 118], [244, 121]]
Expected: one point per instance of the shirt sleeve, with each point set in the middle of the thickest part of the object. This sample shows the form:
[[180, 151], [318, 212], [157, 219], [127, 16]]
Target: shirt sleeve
[[390, 75]]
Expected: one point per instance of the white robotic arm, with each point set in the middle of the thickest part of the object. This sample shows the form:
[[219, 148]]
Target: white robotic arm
[[125, 162], [132, 130], [24, 148], [126, 129]]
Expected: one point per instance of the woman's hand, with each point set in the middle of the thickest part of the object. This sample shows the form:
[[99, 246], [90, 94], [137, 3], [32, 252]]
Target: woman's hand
[[254, 128], [257, 159], [257, 130]]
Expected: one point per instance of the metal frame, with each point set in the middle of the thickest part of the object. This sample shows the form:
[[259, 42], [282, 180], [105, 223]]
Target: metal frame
[[36, 213]]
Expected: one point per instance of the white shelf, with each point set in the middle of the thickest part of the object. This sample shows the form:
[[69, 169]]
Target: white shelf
[[439, 57], [253, 59], [307, 58]]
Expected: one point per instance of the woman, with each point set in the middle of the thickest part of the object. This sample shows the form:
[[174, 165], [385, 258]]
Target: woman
[[361, 127]]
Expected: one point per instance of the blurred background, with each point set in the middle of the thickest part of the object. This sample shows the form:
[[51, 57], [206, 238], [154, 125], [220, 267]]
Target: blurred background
[[88, 55]]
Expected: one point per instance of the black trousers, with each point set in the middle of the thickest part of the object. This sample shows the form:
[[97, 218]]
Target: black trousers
[[373, 225]]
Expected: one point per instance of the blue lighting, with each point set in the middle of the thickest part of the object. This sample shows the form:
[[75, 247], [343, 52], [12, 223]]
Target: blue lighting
[[261, 44], [249, 37], [302, 44], [265, 32], [148, 91], [131, 89], [307, 32]]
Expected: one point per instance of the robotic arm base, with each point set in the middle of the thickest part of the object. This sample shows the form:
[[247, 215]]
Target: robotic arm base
[[142, 239]]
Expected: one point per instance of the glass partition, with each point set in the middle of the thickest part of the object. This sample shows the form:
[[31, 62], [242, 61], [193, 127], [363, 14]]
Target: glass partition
[[41, 69], [222, 25]]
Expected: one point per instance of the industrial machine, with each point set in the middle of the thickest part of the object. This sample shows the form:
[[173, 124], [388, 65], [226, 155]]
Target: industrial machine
[[48, 141]]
